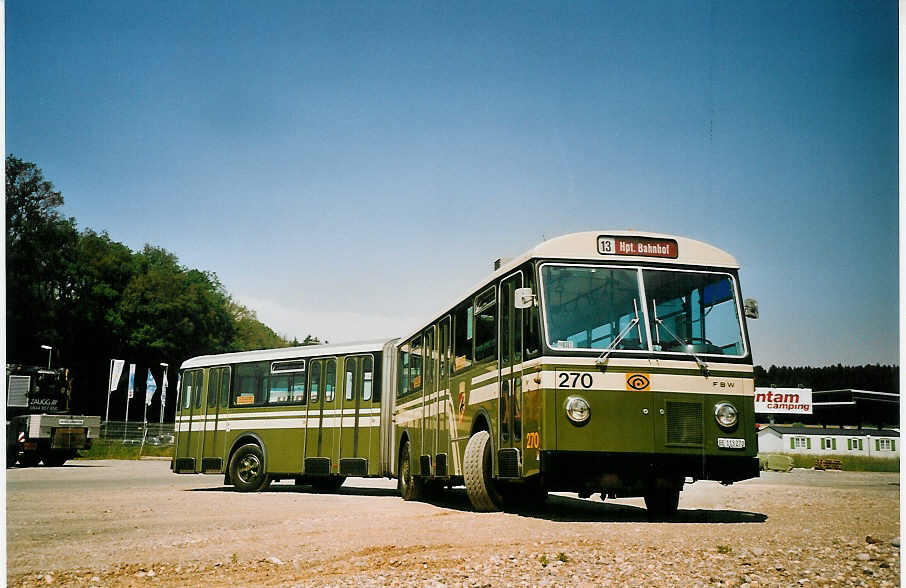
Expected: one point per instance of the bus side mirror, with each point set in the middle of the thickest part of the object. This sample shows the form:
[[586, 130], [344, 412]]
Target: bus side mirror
[[751, 308], [524, 298]]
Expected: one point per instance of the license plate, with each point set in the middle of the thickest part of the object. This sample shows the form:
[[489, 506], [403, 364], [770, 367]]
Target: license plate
[[725, 443]]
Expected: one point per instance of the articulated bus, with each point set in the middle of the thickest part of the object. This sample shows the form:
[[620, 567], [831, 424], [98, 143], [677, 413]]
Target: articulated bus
[[611, 362]]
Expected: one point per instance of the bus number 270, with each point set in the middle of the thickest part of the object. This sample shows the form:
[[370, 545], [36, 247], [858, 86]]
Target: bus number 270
[[573, 380]]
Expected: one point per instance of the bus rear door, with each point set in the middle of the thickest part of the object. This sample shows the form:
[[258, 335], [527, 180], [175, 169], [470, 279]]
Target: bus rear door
[[218, 389], [191, 425]]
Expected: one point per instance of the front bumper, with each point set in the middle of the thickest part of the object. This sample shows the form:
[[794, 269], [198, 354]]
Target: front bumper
[[571, 470]]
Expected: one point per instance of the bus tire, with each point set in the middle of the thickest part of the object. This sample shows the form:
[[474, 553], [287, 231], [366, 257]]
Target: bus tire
[[247, 469], [410, 487], [662, 503], [12, 455], [480, 486]]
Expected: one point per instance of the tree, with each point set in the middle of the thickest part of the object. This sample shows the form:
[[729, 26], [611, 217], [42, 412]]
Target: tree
[[251, 333], [41, 250]]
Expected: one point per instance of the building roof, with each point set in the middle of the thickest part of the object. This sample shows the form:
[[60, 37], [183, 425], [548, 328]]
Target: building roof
[[831, 432]]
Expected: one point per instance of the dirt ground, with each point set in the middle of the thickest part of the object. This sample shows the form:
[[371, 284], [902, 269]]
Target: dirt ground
[[134, 523]]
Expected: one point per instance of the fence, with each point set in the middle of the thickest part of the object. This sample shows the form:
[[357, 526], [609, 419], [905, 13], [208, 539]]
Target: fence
[[137, 433]]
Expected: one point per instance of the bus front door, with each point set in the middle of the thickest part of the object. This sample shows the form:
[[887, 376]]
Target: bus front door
[[358, 410], [509, 401], [429, 394], [313, 462]]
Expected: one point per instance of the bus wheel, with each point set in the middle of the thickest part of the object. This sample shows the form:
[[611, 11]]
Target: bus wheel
[[12, 455], [409, 486], [480, 486], [247, 469], [662, 503], [329, 484]]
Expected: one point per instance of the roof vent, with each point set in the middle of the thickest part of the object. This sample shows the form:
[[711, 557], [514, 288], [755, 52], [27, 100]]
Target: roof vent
[[498, 263]]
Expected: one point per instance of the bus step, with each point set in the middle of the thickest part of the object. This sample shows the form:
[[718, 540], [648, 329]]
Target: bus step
[[354, 466], [212, 465], [317, 466], [440, 464], [508, 462]]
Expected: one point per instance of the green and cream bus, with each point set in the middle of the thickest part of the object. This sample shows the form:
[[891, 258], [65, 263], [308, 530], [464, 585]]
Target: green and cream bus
[[611, 362]]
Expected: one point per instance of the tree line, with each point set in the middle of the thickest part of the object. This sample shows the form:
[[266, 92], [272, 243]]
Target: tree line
[[92, 299], [877, 378]]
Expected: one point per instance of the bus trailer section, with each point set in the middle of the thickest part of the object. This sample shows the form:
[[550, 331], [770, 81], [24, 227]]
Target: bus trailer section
[[611, 362]]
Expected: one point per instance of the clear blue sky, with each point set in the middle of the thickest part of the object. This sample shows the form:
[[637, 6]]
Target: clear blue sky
[[346, 168]]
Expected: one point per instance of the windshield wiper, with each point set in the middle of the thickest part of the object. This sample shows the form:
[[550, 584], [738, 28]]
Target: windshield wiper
[[683, 344], [602, 359]]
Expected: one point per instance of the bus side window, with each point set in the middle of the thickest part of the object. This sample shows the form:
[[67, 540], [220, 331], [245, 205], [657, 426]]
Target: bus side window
[[213, 386], [531, 320], [186, 391], [462, 337], [403, 386], [225, 387], [415, 366], [279, 389], [486, 325], [330, 385], [298, 388], [367, 378], [196, 388], [350, 373], [314, 380]]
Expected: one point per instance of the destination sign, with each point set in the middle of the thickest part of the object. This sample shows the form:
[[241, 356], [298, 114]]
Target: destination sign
[[638, 246]]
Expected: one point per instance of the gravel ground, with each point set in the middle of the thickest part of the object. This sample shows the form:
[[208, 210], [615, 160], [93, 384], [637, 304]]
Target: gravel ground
[[120, 523]]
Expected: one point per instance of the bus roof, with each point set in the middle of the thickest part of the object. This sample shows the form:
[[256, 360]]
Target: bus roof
[[584, 247], [285, 353]]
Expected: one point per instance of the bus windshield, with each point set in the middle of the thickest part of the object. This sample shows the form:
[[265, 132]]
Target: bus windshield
[[590, 307]]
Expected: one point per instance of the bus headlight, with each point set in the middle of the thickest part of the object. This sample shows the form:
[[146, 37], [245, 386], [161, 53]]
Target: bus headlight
[[577, 410], [725, 414]]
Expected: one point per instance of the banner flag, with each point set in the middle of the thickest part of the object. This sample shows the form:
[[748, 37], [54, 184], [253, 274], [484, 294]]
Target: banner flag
[[150, 388], [163, 390], [116, 374], [131, 380]]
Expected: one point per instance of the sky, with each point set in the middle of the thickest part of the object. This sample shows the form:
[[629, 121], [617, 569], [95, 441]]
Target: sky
[[348, 168]]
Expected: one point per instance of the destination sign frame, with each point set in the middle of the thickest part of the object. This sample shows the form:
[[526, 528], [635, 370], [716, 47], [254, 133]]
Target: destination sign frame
[[637, 246]]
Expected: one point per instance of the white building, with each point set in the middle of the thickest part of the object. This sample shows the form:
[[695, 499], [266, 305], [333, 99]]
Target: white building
[[829, 442]]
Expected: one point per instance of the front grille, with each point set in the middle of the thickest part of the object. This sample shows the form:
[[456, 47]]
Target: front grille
[[684, 423], [317, 466]]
